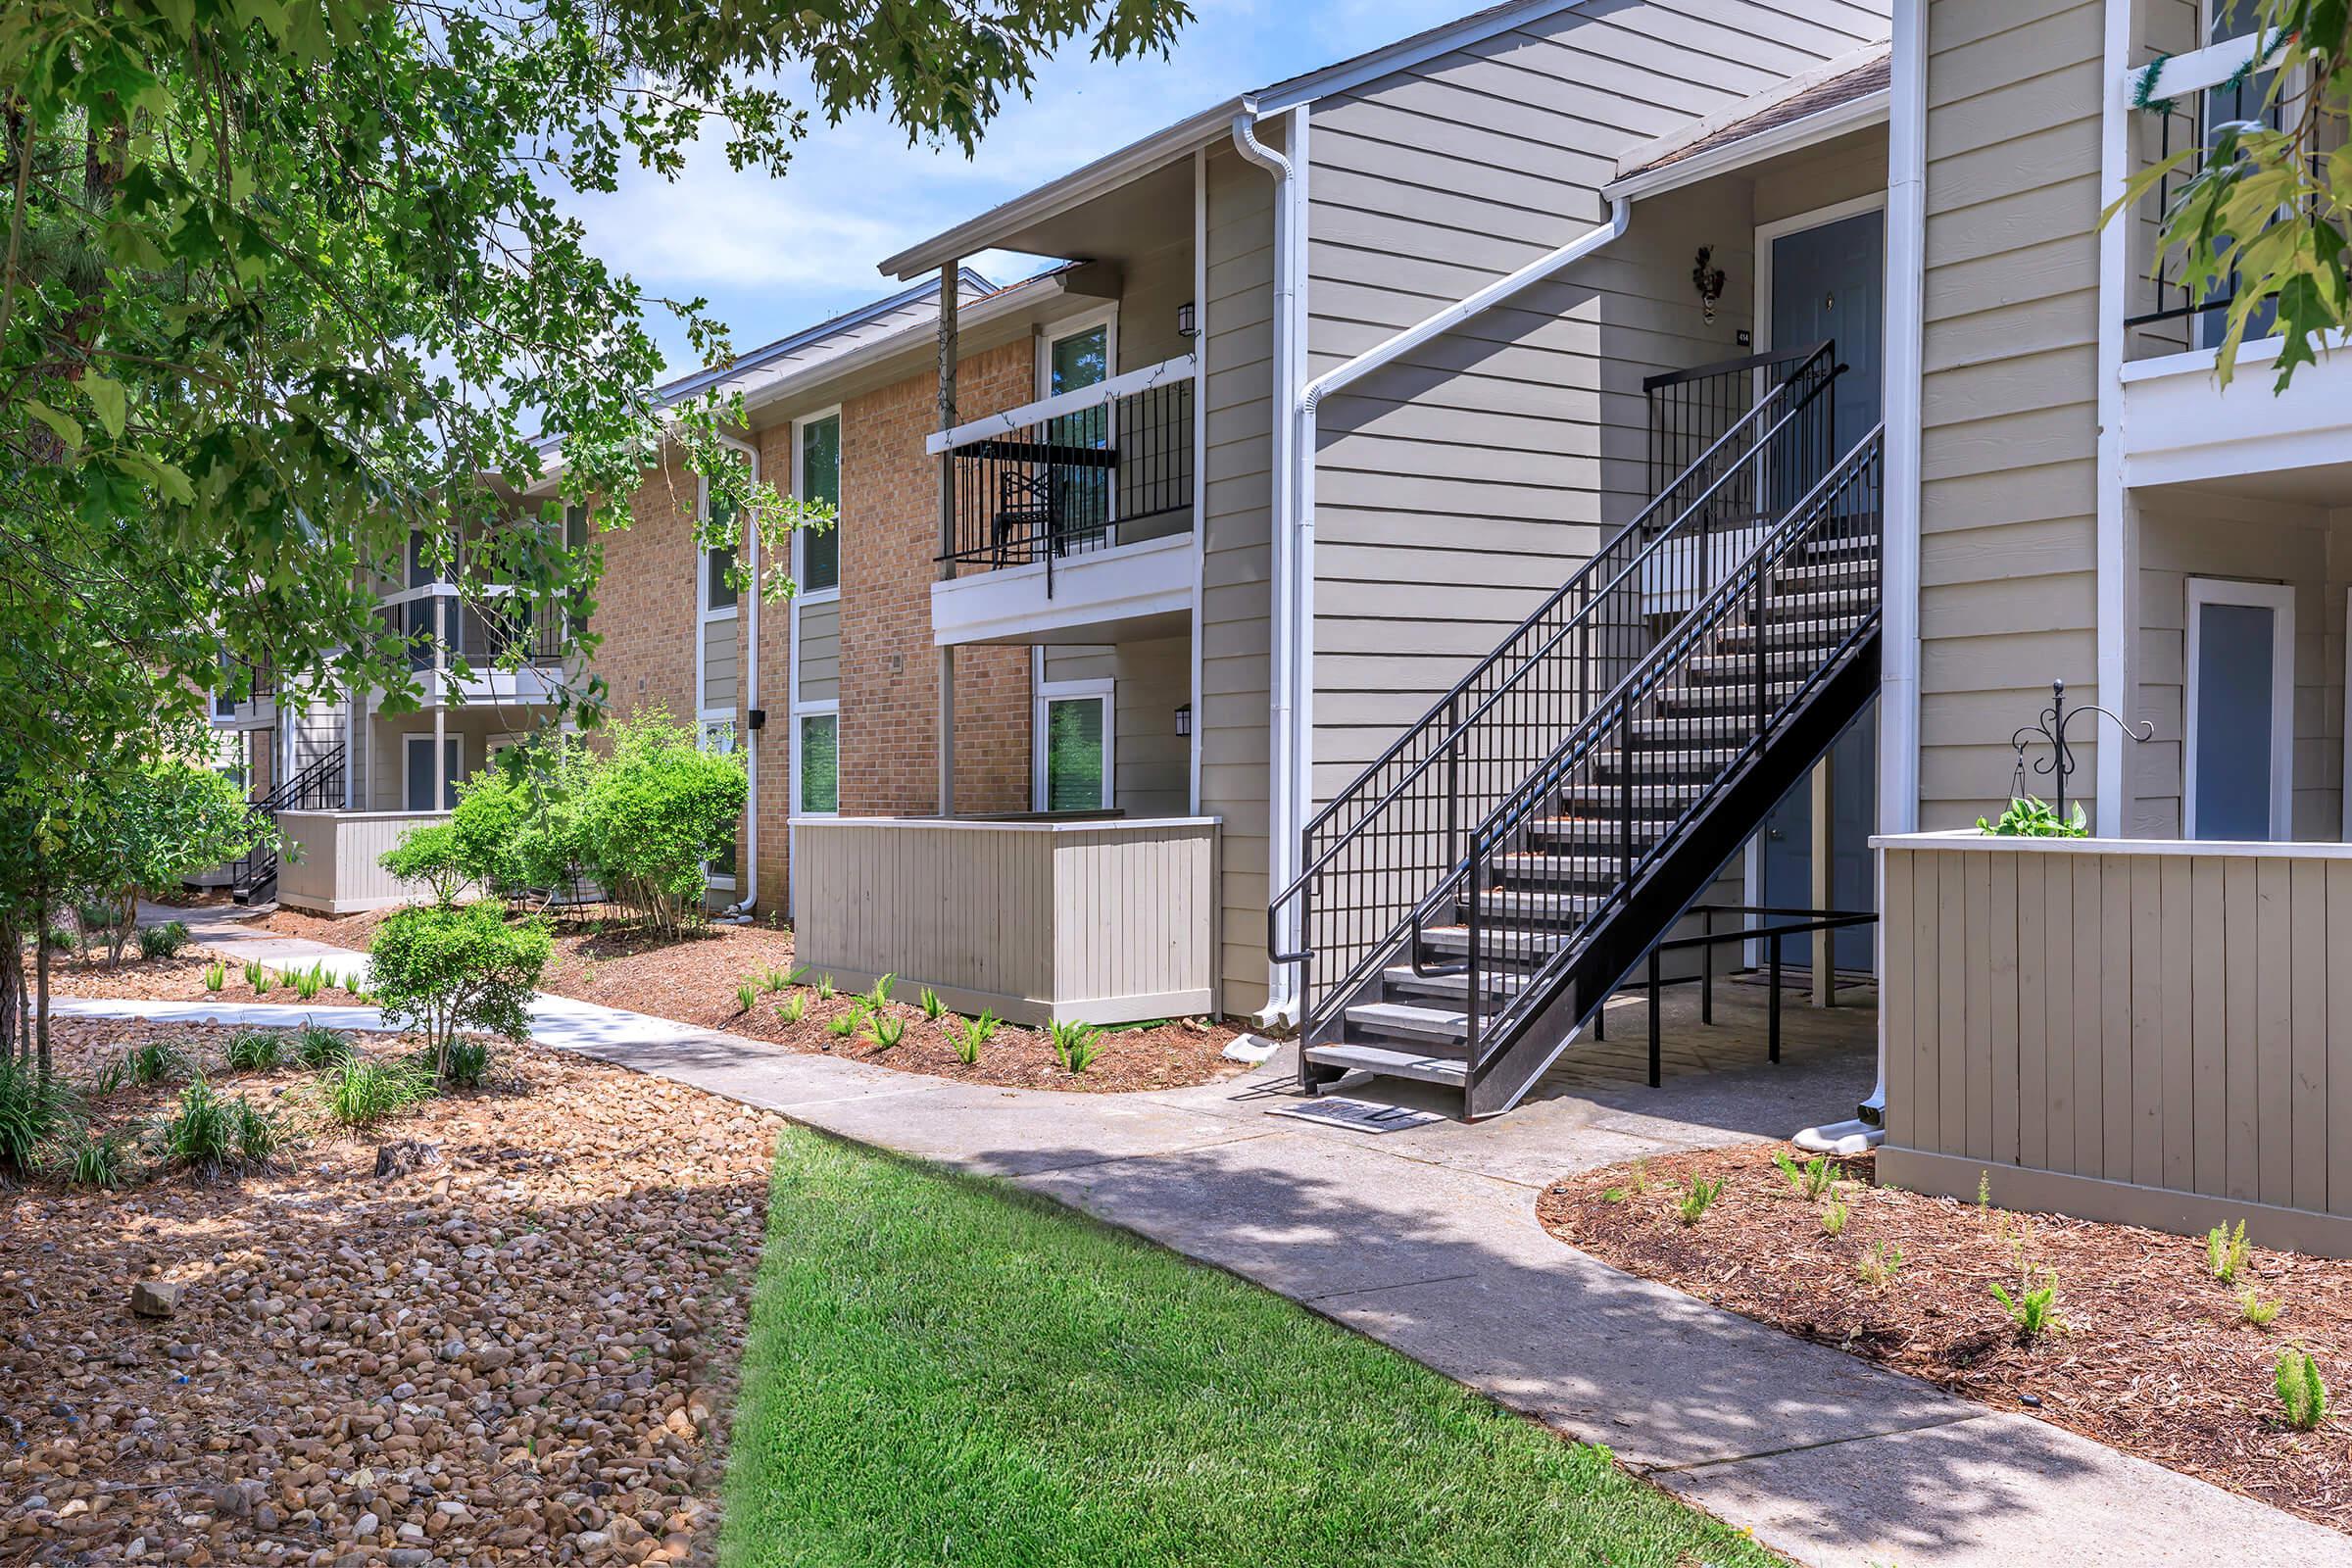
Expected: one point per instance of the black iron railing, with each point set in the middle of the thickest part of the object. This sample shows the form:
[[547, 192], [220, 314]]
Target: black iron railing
[[1382, 857], [2193, 121], [1117, 472], [1646, 759], [317, 787], [499, 630]]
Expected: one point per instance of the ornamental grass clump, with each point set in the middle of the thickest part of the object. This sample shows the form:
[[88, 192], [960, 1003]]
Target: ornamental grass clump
[[258, 978], [215, 975], [1698, 1197], [363, 1094], [318, 1047], [35, 1107], [100, 1159], [201, 1133], [1077, 1046], [442, 971], [255, 1050], [157, 1061]]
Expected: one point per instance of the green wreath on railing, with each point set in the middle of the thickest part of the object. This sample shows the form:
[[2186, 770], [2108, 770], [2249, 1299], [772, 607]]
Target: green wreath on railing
[[2146, 77]]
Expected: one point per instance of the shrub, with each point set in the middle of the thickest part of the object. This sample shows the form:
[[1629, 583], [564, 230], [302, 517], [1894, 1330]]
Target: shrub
[[441, 970], [2302, 1392], [99, 1160], [2226, 1253], [157, 1061], [35, 1107], [655, 811], [485, 830], [201, 1134], [1698, 1197], [428, 854], [2031, 1308], [932, 1006], [215, 974], [469, 1063], [318, 1047], [165, 941], [537, 798], [255, 1050], [155, 825], [1076, 1044], [63, 940], [361, 1094]]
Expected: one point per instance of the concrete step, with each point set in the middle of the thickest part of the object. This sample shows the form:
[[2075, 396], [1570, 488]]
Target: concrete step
[[1390, 1062]]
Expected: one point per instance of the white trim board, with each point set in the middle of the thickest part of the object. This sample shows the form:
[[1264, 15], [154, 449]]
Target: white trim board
[[2279, 599], [1104, 690]]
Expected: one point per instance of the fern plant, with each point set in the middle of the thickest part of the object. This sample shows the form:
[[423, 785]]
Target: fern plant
[[1810, 1180], [1880, 1265], [794, 1007], [825, 989], [932, 1006], [258, 978], [1698, 1197], [746, 994], [2254, 1311], [2033, 1309], [1833, 1215], [970, 1034], [308, 983], [2302, 1392], [846, 1025], [2225, 1252], [1077, 1046], [1634, 1187], [879, 997]]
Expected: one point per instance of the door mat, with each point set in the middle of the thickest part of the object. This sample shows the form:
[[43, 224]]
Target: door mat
[[1357, 1115]]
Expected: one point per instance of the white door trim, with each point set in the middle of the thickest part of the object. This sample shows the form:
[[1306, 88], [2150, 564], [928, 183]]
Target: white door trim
[[426, 737], [1106, 690], [2279, 599]]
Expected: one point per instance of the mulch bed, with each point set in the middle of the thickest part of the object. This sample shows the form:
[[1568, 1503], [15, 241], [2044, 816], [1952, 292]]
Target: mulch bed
[[692, 979], [181, 979], [523, 1353], [2155, 1358]]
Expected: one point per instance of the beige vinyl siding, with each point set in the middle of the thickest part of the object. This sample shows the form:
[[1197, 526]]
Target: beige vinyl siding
[[2009, 471], [1459, 486], [1234, 645], [1837, 171], [722, 662], [819, 671], [2123, 1033], [2197, 534]]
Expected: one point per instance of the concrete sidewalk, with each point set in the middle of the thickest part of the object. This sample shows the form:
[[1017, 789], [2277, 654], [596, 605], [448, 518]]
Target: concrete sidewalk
[[1427, 1240]]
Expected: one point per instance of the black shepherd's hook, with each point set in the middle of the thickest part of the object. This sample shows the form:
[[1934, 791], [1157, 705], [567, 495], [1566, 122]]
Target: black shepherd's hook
[[2060, 764]]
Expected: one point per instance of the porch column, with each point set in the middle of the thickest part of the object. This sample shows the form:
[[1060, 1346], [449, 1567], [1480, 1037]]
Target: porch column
[[948, 300], [1825, 883]]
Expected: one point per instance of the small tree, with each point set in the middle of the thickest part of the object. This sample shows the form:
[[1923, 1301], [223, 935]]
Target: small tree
[[153, 827], [441, 970], [430, 854], [486, 831], [655, 811]]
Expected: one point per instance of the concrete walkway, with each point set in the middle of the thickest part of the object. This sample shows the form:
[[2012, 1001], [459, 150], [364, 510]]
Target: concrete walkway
[[1428, 1242]]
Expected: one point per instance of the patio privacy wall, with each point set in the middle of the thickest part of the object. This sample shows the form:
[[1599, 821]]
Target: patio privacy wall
[[2153, 1033]]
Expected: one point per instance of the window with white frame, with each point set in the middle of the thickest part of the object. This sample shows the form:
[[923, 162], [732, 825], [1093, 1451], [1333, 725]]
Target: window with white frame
[[2236, 776], [815, 480], [817, 761], [1072, 768], [1073, 356], [718, 593]]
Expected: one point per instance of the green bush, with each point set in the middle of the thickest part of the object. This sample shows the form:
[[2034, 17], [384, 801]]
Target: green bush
[[151, 827], [469, 1063], [157, 1061], [259, 1138], [34, 1107], [443, 970], [653, 812], [255, 1050], [318, 1047], [361, 1094], [428, 854], [165, 941], [485, 828], [201, 1134], [100, 1159]]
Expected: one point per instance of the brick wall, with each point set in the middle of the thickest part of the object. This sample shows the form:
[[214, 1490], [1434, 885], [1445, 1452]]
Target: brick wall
[[889, 669], [645, 603]]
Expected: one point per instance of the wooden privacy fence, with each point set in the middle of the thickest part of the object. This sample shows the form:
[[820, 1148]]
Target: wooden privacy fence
[[2147, 1031], [1097, 921], [330, 865]]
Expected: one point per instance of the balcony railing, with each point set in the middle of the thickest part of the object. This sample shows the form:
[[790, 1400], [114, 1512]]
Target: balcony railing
[[486, 635], [1073, 474], [2190, 99]]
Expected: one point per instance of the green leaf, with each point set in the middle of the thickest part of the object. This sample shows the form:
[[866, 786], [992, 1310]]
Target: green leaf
[[107, 398], [64, 428]]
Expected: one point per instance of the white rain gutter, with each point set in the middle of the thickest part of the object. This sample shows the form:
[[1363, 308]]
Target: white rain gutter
[[1282, 792], [749, 871]]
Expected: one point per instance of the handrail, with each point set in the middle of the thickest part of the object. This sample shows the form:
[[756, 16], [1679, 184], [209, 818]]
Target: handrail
[[1183, 367], [1611, 720], [1442, 736]]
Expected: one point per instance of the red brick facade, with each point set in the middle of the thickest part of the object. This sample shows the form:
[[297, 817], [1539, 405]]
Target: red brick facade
[[647, 615]]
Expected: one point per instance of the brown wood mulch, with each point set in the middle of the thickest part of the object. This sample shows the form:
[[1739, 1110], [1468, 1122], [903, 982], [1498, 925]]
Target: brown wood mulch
[[2155, 1357], [181, 979], [692, 979]]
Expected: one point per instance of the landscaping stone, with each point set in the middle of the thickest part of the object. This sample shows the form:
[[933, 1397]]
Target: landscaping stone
[[156, 1297], [405, 1157]]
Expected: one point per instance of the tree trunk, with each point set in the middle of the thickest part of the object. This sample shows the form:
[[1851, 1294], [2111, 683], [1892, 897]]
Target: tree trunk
[[40, 997], [12, 988]]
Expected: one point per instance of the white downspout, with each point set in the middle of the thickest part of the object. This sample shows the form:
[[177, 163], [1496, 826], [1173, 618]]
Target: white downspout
[[749, 871], [1282, 832]]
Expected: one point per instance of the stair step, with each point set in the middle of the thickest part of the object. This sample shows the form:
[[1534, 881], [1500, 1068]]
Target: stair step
[[1420, 1025], [1723, 698], [1648, 794], [1600, 833], [1735, 724], [1532, 905], [1390, 1062], [1401, 980], [1508, 943], [1557, 869], [1788, 666], [1652, 763], [1802, 638]]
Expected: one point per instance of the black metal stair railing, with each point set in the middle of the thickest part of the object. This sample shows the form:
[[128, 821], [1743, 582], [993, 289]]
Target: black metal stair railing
[[317, 787], [1374, 861], [1756, 646]]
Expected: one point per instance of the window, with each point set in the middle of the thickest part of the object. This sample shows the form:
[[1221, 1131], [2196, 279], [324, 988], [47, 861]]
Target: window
[[2238, 773], [718, 566], [417, 754], [816, 764], [818, 479], [224, 699], [421, 563], [1072, 362], [719, 736], [1073, 750]]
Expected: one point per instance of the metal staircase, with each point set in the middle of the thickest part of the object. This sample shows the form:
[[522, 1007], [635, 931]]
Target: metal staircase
[[317, 788], [1467, 903]]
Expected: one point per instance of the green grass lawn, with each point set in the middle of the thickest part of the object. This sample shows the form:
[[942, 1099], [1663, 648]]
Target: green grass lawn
[[944, 1370]]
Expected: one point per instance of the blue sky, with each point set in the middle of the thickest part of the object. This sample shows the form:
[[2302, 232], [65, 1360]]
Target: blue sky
[[775, 256]]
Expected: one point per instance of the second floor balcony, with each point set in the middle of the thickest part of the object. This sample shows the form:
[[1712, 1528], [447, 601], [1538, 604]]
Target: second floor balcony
[[484, 645], [1071, 518]]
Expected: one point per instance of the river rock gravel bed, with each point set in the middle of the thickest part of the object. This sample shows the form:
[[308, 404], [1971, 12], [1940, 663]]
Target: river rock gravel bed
[[523, 1352]]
